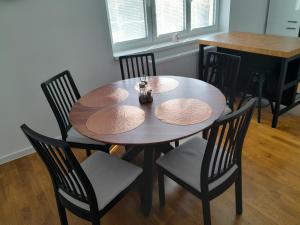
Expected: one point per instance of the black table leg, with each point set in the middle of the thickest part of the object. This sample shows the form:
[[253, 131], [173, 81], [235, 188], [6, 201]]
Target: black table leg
[[279, 93], [149, 153]]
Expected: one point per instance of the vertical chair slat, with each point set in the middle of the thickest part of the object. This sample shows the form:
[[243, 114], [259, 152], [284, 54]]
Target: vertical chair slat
[[242, 122], [138, 67], [231, 139], [67, 97], [147, 63], [61, 97], [232, 142], [153, 63], [58, 107], [217, 149], [45, 151], [61, 104], [122, 68], [223, 151], [72, 83], [132, 66], [127, 66], [69, 89], [142, 64]]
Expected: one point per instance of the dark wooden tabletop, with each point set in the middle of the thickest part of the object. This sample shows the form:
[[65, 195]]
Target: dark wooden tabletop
[[153, 131]]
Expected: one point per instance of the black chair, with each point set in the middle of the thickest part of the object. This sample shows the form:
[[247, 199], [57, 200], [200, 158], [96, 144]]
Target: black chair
[[61, 93], [137, 65], [221, 71], [88, 189], [255, 87], [209, 167]]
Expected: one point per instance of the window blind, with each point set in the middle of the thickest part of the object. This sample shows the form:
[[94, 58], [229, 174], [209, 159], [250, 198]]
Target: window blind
[[127, 19], [170, 16], [202, 13]]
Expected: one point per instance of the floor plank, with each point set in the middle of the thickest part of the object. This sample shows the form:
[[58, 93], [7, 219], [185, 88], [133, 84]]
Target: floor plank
[[271, 188]]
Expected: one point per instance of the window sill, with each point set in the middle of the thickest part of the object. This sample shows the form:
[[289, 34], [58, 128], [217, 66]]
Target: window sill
[[162, 46]]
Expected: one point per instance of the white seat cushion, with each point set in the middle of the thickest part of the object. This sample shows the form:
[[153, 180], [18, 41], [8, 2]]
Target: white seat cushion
[[185, 163], [75, 137], [108, 175]]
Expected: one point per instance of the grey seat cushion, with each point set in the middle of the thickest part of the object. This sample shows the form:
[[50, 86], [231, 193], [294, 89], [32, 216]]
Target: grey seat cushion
[[185, 163], [108, 175], [75, 137]]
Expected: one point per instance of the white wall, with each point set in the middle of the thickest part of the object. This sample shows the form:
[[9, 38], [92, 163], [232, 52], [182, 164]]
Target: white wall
[[248, 15], [40, 38], [224, 18]]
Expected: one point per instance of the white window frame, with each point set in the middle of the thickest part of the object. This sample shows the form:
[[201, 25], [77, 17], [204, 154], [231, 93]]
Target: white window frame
[[151, 33]]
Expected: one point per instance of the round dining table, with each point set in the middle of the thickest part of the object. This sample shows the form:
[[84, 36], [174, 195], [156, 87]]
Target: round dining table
[[90, 116]]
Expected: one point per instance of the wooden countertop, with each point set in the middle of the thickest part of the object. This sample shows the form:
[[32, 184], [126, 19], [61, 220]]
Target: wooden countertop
[[278, 46]]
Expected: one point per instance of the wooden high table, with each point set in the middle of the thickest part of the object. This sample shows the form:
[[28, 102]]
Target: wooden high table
[[152, 132], [280, 55]]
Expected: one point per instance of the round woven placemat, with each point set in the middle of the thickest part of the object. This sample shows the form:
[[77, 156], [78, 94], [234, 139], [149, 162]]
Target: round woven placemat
[[183, 111], [116, 119], [104, 96]]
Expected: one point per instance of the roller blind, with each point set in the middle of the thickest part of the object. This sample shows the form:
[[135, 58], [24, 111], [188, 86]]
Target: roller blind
[[202, 13], [127, 19], [170, 16]]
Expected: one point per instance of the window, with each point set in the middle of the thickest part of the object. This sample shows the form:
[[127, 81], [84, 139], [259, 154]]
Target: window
[[202, 13], [169, 16], [137, 23], [127, 20]]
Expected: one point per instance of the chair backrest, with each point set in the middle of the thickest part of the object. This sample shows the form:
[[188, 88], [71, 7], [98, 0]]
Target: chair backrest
[[225, 143], [65, 171], [222, 70], [61, 93], [137, 65]]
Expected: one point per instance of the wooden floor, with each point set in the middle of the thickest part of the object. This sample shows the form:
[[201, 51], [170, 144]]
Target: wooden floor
[[271, 185]]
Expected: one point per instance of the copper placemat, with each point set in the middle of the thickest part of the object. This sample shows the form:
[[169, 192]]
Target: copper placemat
[[160, 84], [116, 119], [104, 96], [183, 111]]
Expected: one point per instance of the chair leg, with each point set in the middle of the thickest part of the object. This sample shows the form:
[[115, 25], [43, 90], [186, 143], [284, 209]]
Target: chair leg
[[95, 221], [238, 195], [62, 213], [206, 212], [161, 187], [88, 152], [260, 89]]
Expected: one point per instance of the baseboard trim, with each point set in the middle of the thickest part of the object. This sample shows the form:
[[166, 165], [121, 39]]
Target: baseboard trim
[[19, 153], [16, 155]]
